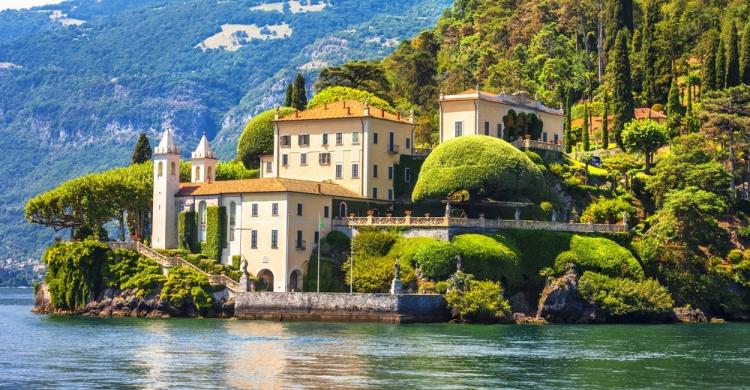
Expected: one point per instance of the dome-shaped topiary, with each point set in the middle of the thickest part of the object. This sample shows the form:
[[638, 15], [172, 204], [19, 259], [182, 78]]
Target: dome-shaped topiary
[[482, 165], [257, 137]]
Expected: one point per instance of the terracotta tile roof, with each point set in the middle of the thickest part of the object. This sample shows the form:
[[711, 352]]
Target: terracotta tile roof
[[343, 109], [265, 185], [520, 99], [640, 113]]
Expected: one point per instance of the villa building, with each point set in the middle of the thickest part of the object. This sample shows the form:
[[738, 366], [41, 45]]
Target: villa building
[[328, 162], [476, 112]]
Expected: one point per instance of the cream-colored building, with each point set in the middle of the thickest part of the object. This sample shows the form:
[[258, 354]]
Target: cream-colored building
[[476, 112], [328, 162]]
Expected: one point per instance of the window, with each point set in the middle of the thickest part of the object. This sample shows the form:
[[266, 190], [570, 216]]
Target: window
[[300, 241], [275, 209], [254, 239], [172, 169], [544, 137], [274, 239], [355, 138], [209, 175], [316, 237], [160, 169], [325, 211], [339, 138], [486, 128], [499, 131], [390, 194], [459, 127], [197, 173], [202, 221], [339, 171], [407, 175], [303, 139], [408, 143], [285, 141], [374, 193], [355, 171], [285, 159], [269, 166], [342, 210], [325, 139], [303, 159], [299, 208], [232, 220], [557, 140], [375, 170], [324, 158], [254, 209], [390, 173], [375, 138]]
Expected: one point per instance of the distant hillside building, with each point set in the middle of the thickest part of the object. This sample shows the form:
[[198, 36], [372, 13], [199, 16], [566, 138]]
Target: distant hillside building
[[328, 162], [640, 113]]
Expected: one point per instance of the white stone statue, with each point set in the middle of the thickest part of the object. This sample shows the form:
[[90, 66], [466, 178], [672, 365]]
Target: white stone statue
[[396, 286], [518, 215], [554, 215]]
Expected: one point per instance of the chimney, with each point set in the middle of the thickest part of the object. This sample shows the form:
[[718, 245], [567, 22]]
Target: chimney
[[398, 115], [277, 115], [348, 111], [296, 113], [319, 188], [325, 106], [382, 113], [367, 109], [344, 103]]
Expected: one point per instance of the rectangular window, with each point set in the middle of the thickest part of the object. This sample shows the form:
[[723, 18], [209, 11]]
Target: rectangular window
[[375, 170], [303, 159], [254, 208], [408, 143], [254, 239], [390, 194], [557, 140], [285, 141], [390, 173], [325, 139], [459, 127], [339, 171], [339, 138], [499, 131], [407, 175], [324, 158], [275, 209], [544, 137], [486, 128], [355, 138], [300, 241], [284, 159], [269, 166], [355, 171], [274, 239], [303, 139], [374, 193], [375, 138], [299, 208], [316, 237], [325, 212]]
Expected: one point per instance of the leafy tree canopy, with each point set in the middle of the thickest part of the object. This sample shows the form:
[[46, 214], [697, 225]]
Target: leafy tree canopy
[[337, 94], [257, 137]]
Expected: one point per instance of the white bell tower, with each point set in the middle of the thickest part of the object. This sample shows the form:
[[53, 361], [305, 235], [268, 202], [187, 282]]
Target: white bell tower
[[203, 163], [166, 184]]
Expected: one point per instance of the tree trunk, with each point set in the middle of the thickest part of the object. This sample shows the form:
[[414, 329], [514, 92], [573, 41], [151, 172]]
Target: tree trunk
[[600, 44], [731, 162]]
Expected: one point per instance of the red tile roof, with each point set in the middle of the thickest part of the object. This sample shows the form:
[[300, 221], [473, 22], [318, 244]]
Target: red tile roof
[[343, 109], [265, 185]]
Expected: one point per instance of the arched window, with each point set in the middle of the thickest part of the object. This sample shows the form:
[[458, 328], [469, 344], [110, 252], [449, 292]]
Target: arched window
[[208, 174], [202, 221], [172, 168], [197, 173], [232, 219], [160, 169], [342, 210]]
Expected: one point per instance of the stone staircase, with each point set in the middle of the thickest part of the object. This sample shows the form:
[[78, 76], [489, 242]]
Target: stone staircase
[[168, 262]]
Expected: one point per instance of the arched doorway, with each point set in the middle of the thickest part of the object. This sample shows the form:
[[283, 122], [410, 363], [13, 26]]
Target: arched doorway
[[265, 280], [342, 210], [295, 281]]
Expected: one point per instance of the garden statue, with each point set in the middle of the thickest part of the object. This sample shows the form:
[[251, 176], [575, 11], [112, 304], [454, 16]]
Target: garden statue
[[459, 264], [245, 283], [554, 215], [447, 209], [397, 266], [518, 215], [396, 286]]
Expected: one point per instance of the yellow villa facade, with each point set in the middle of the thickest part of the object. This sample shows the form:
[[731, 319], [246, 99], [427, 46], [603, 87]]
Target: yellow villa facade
[[328, 162]]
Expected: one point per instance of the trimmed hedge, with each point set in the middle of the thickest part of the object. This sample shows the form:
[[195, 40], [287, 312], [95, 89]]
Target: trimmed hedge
[[216, 228], [482, 165], [490, 257], [599, 254], [257, 137], [187, 231], [625, 298], [374, 274], [436, 259]]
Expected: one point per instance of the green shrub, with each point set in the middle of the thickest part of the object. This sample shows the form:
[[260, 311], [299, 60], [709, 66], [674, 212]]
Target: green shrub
[[537, 249], [147, 277], [332, 276], [482, 165], [609, 211], [186, 286], [234, 170], [625, 298], [534, 157], [436, 260], [75, 272], [482, 301], [257, 137], [441, 287], [489, 257], [126, 269], [187, 231], [216, 228], [374, 274], [599, 254], [338, 93], [373, 243], [236, 262]]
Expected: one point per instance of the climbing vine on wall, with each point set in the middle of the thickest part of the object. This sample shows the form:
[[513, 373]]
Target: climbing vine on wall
[[187, 231], [216, 228], [74, 272]]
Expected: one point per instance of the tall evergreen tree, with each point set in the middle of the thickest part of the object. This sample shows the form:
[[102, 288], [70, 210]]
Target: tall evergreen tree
[[289, 95], [745, 55], [142, 150], [568, 140], [721, 66], [733, 58], [649, 51], [619, 15], [585, 130], [674, 110], [623, 106], [605, 122], [299, 94], [708, 80]]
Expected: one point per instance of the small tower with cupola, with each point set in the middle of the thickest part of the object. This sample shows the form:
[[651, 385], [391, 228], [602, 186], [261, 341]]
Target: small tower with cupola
[[203, 163], [166, 159]]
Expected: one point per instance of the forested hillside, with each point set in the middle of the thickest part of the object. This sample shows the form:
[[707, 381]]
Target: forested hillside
[[81, 79]]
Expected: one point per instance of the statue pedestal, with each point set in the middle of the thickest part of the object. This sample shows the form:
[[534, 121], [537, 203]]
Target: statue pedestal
[[244, 283], [396, 286]]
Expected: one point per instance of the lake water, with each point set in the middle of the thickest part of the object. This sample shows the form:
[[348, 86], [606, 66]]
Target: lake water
[[62, 352]]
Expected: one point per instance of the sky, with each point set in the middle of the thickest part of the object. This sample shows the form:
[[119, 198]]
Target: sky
[[19, 4]]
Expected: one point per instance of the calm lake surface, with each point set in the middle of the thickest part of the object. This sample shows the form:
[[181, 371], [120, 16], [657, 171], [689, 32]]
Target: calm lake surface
[[61, 352]]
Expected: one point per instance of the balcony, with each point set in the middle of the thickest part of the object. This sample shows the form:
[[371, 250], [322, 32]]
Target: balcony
[[301, 245], [393, 149]]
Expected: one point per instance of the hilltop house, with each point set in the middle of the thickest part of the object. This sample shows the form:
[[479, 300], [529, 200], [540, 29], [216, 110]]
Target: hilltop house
[[329, 161], [595, 125]]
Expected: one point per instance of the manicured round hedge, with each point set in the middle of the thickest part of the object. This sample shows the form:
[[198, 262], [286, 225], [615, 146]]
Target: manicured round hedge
[[482, 165], [337, 94], [599, 254], [437, 259], [257, 137], [489, 257]]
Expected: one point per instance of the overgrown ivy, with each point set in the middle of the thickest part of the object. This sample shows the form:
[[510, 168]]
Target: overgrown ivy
[[187, 231], [216, 223]]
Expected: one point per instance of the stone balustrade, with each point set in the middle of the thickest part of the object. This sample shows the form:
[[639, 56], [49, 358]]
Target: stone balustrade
[[534, 144]]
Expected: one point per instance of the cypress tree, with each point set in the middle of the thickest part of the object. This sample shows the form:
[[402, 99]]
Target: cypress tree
[[567, 138], [708, 82], [733, 58], [649, 51], [721, 66], [299, 95], [745, 55], [689, 104], [615, 21], [585, 130], [623, 106], [289, 95], [605, 122], [674, 113], [142, 150]]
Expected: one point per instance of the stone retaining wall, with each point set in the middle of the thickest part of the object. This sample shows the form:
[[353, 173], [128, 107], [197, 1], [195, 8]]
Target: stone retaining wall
[[343, 307]]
